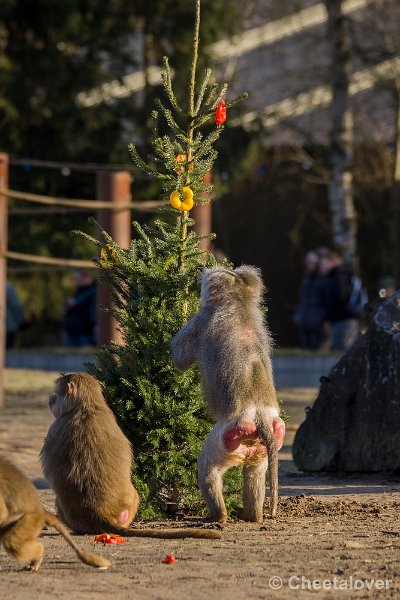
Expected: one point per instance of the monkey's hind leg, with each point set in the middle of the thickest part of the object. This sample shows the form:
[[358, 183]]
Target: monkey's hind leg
[[210, 483], [21, 542], [253, 492]]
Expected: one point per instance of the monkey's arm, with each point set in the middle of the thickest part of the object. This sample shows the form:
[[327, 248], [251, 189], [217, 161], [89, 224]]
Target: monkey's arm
[[184, 344]]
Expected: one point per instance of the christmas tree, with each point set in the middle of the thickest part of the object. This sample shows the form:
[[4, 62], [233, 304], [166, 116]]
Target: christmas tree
[[154, 287]]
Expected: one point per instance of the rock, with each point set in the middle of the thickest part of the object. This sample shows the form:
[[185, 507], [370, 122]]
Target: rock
[[354, 424]]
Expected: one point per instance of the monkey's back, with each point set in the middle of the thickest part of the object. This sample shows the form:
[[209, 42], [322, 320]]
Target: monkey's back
[[234, 361], [87, 460]]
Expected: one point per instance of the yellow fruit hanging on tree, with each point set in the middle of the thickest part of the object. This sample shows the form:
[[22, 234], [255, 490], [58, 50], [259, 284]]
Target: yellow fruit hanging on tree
[[188, 201], [107, 256], [176, 201]]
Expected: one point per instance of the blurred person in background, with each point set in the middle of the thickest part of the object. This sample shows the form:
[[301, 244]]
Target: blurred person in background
[[386, 287], [80, 318], [14, 314], [310, 310], [345, 298]]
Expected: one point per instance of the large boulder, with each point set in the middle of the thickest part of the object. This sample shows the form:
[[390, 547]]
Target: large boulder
[[354, 424]]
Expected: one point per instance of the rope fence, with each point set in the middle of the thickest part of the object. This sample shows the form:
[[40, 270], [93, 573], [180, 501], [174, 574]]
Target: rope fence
[[67, 204], [143, 205], [69, 263], [74, 166]]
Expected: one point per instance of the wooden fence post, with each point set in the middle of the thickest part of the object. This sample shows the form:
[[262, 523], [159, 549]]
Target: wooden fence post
[[114, 186], [3, 267], [202, 214]]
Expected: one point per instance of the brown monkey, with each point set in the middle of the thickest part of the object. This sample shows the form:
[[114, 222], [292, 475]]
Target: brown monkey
[[22, 517], [87, 460], [230, 342]]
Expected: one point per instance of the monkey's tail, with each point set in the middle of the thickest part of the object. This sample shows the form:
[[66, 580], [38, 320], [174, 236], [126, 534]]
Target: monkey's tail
[[86, 557], [267, 435], [178, 533]]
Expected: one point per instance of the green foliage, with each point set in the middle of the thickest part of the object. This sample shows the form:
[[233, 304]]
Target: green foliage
[[52, 51], [155, 288], [189, 141], [282, 412]]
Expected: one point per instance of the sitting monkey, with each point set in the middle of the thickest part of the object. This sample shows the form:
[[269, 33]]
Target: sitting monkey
[[87, 459], [230, 342]]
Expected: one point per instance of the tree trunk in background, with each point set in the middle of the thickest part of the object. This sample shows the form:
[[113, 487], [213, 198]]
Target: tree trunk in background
[[395, 194], [344, 221], [4, 175], [385, 22], [354, 424]]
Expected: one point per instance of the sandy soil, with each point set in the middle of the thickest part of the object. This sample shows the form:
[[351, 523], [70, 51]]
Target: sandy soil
[[334, 537]]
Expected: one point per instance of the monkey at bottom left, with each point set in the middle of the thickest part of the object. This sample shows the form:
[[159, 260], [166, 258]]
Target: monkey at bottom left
[[22, 518]]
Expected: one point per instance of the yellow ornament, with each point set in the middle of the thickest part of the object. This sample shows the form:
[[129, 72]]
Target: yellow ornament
[[107, 256], [175, 200], [187, 203]]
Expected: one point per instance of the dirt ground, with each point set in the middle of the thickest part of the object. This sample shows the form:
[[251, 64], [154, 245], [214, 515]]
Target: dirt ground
[[334, 537]]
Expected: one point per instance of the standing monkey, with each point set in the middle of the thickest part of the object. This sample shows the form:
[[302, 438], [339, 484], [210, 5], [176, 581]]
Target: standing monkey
[[230, 342], [22, 517], [88, 460]]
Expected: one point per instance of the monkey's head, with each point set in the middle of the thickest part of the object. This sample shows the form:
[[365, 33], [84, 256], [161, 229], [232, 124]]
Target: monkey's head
[[74, 389], [220, 285]]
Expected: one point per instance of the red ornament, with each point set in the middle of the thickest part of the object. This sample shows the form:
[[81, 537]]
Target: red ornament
[[169, 559], [220, 115]]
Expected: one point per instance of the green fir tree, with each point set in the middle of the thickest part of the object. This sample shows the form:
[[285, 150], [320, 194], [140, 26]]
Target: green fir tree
[[155, 289]]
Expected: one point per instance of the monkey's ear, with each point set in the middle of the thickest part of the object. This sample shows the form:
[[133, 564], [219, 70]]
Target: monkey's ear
[[68, 400], [250, 275]]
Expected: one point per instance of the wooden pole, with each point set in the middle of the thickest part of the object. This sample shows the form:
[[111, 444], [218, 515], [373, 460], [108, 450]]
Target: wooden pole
[[115, 187], [202, 214], [3, 267]]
